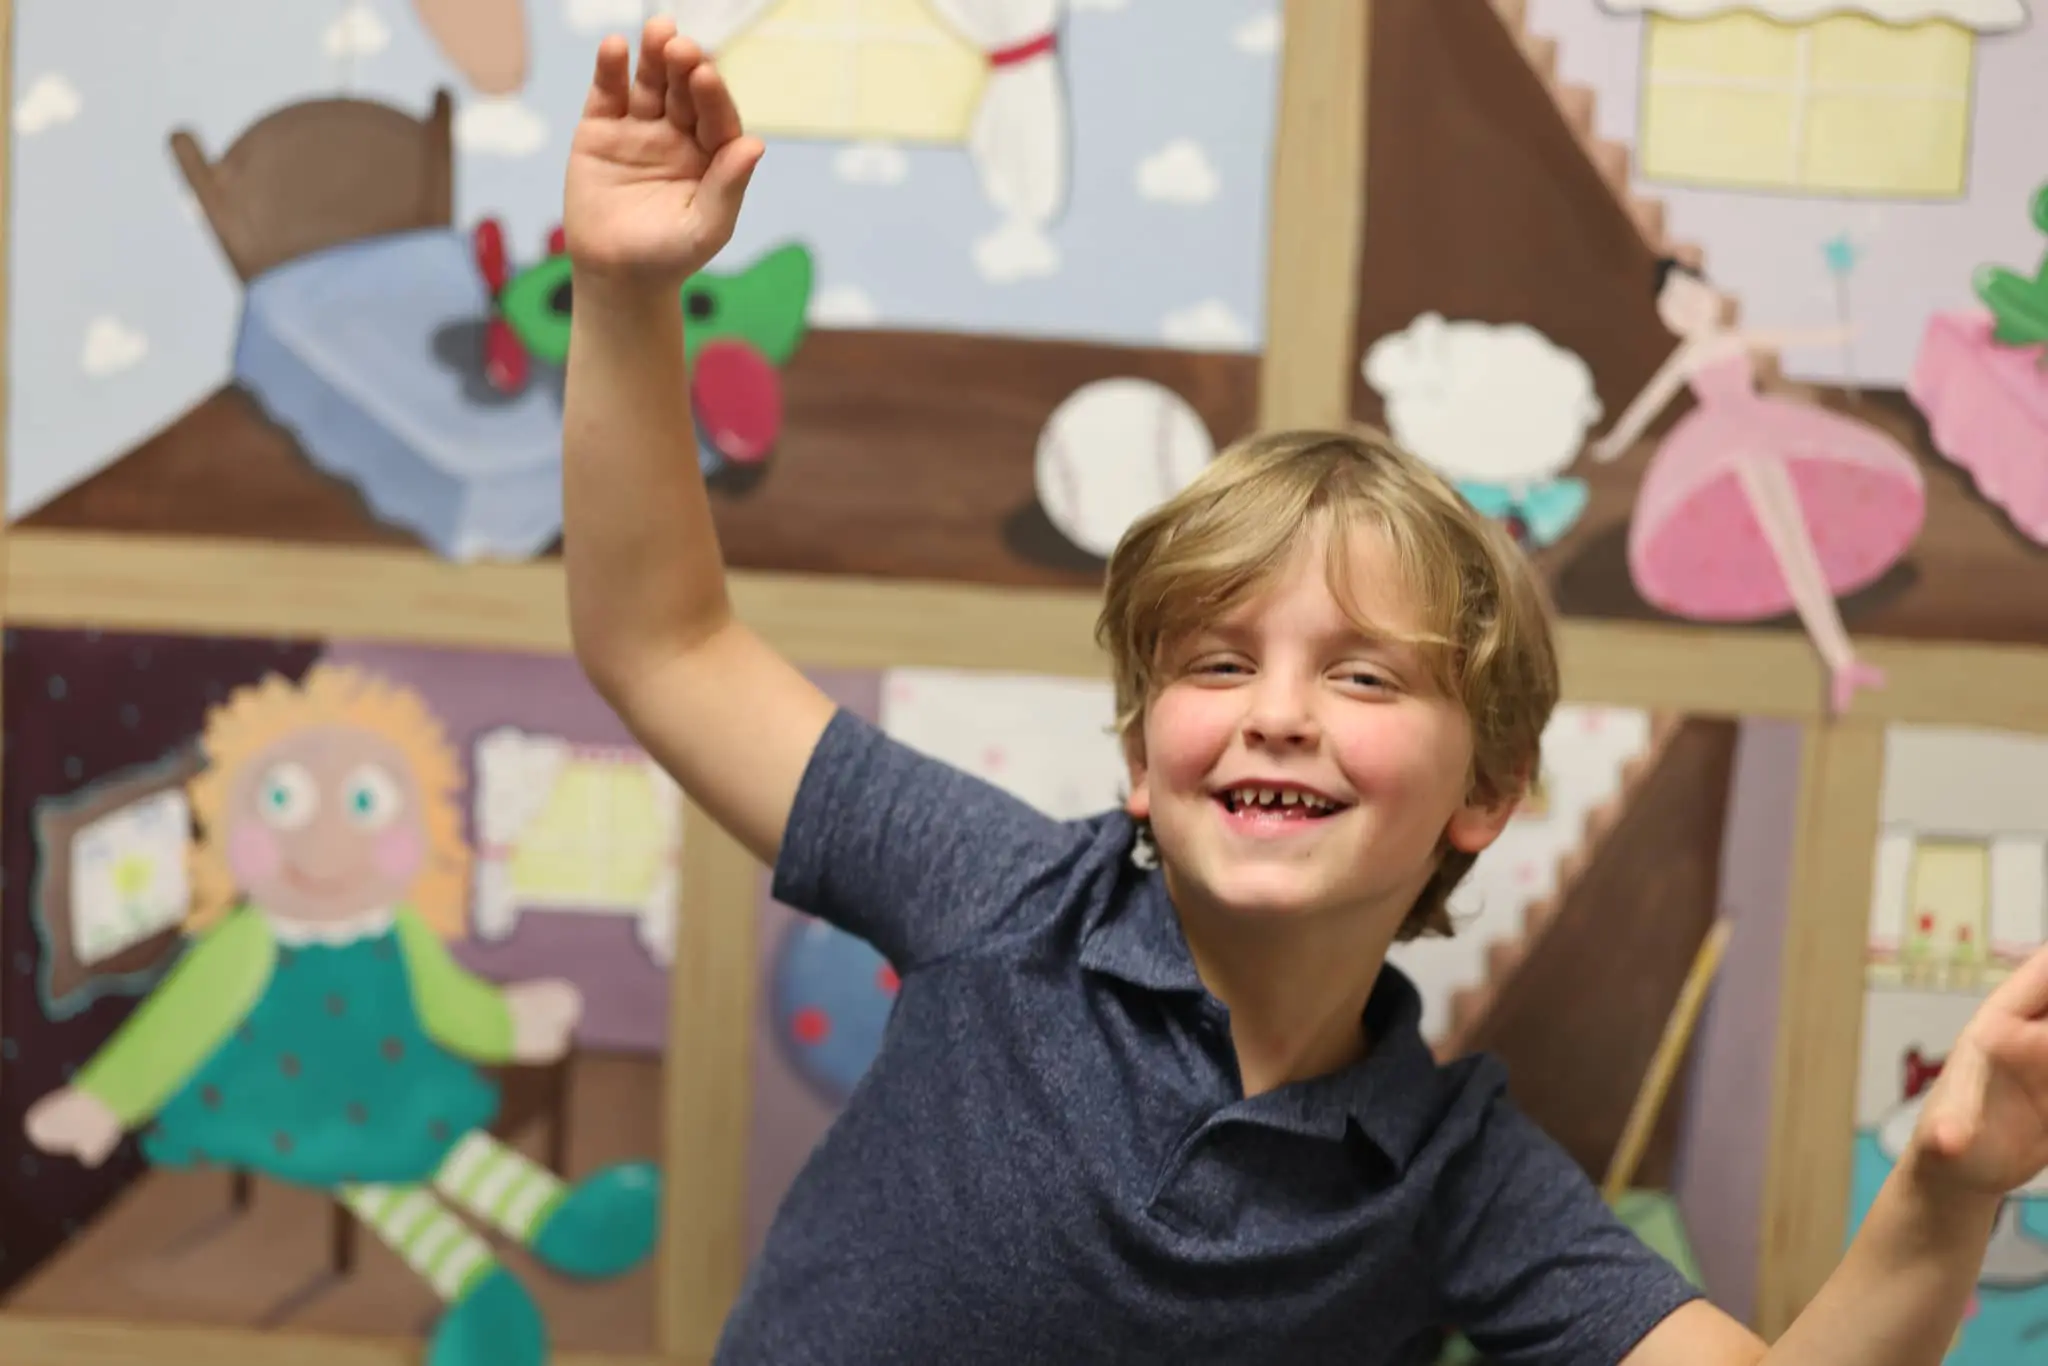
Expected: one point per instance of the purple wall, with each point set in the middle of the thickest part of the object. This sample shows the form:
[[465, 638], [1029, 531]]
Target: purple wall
[[1726, 1140]]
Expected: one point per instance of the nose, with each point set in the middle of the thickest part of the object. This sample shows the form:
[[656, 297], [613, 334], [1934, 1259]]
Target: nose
[[1281, 716]]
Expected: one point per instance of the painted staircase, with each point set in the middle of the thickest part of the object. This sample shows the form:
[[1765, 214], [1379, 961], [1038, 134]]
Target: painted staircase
[[1573, 1003]]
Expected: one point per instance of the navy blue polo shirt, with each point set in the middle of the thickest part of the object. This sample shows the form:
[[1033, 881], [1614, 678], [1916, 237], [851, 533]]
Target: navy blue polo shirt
[[1051, 1160]]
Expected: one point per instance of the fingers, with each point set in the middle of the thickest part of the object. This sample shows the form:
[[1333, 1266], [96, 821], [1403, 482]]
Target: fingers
[[725, 179], [683, 57], [718, 118], [607, 98], [650, 82], [2025, 992]]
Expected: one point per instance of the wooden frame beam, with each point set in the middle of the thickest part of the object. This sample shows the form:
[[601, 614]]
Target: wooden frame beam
[[1317, 216], [1820, 1020]]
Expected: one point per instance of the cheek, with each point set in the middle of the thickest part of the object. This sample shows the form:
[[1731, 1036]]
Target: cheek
[[1185, 734], [396, 853], [253, 854]]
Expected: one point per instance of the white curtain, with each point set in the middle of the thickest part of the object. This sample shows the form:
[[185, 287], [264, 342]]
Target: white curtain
[[1985, 16], [1019, 139], [515, 775]]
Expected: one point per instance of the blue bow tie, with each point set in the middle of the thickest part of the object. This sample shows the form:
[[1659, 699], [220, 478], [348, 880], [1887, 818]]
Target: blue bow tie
[[1547, 510]]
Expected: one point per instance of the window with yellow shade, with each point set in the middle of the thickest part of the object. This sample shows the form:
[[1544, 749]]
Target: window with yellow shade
[[1813, 97], [855, 69], [581, 829]]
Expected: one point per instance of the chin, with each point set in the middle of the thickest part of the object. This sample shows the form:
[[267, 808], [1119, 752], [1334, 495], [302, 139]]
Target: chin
[[1267, 894]]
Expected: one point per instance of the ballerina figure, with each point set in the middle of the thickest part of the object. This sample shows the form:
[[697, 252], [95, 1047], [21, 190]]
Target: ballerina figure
[[1754, 504]]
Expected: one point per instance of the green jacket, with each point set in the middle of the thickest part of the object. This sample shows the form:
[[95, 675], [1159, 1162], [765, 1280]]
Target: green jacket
[[220, 978]]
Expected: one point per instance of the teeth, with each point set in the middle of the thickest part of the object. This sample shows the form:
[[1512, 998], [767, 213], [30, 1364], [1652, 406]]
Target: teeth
[[1271, 797]]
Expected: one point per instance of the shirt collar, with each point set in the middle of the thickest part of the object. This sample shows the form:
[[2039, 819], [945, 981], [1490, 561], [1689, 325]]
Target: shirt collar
[[1391, 1094], [1140, 939]]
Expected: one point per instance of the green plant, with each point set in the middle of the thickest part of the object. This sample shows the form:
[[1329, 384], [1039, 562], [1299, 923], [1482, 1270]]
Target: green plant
[[2018, 304]]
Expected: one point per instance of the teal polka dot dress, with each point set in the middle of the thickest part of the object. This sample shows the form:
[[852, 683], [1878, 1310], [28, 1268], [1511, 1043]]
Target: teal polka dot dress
[[331, 1080]]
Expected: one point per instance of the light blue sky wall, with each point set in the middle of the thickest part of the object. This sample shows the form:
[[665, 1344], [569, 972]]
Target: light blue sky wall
[[123, 311]]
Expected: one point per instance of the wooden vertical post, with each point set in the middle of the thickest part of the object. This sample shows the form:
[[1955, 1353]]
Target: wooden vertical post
[[707, 1072], [1820, 1019], [1317, 216]]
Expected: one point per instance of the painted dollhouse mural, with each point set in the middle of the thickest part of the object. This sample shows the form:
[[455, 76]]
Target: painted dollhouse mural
[[328, 303], [1767, 353], [1960, 897], [216, 1113]]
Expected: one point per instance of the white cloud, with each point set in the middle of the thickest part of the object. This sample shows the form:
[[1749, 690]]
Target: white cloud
[[1209, 324], [50, 101], [111, 346], [357, 33], [1015, 251], [842, 306], [1178, 173], [499, 127], [602, 16], [1258, 34], [872, 163]]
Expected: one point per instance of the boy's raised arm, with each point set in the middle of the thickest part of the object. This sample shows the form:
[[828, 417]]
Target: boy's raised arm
[[655, 178]]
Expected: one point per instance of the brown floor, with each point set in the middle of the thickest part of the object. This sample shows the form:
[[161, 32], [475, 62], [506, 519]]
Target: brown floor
[[907, 455], [173, 1250]]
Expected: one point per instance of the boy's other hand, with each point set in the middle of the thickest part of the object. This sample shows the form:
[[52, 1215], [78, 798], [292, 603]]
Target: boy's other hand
[[1985, 1125], [659, 163]]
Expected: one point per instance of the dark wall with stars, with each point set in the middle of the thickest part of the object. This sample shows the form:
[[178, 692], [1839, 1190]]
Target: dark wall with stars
[[80, 707]]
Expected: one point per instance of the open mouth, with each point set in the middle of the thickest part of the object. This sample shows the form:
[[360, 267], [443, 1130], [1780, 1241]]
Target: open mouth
[[1277, 803]]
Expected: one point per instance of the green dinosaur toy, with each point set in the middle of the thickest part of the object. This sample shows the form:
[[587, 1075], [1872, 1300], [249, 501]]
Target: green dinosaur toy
[[744, 326], [762, 304], [2019, 304]]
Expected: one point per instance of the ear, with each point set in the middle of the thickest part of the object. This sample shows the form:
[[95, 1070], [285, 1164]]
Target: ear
[[1139, 801], [1479, 822]]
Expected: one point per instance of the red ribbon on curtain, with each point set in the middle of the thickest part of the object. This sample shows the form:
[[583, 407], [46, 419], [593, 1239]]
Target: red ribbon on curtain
[[1024, 51]]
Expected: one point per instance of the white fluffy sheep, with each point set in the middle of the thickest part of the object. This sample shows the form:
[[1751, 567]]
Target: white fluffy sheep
[[1484, 403]]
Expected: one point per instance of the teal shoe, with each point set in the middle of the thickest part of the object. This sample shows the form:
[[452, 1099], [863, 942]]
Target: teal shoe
[[495, 1324], [606, 1224]]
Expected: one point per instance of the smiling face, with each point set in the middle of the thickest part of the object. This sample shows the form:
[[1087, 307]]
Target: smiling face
[[1294, 762], [324, 826]]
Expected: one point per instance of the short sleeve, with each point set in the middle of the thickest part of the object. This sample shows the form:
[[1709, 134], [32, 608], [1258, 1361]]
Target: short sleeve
[[1536, 1269], [909, 853]]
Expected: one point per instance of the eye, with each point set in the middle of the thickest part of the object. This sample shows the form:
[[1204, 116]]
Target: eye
[[287, 797], [371, 797], [1371, 680]]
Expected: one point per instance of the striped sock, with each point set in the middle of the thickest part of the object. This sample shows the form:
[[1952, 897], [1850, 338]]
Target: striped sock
[[432, 1241], [501, 1185]]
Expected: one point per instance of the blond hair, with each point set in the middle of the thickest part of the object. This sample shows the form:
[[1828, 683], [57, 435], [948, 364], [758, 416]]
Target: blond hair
[[1486, 635], [253, 719]]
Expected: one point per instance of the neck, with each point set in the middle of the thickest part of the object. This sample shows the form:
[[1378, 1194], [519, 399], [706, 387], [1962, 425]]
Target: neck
[[1296, 989]]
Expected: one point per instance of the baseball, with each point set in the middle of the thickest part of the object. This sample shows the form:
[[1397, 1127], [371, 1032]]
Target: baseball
[[1111, 452]]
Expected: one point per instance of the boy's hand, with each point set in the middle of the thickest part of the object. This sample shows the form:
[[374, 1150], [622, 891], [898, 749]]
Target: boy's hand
[[658, 165], [1985, 1125]]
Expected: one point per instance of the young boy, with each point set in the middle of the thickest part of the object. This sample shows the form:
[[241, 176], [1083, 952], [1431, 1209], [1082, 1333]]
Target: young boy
[[1184, 1114]]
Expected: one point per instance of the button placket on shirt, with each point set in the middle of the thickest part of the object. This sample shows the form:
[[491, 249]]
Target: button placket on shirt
[[1212, 1029]]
